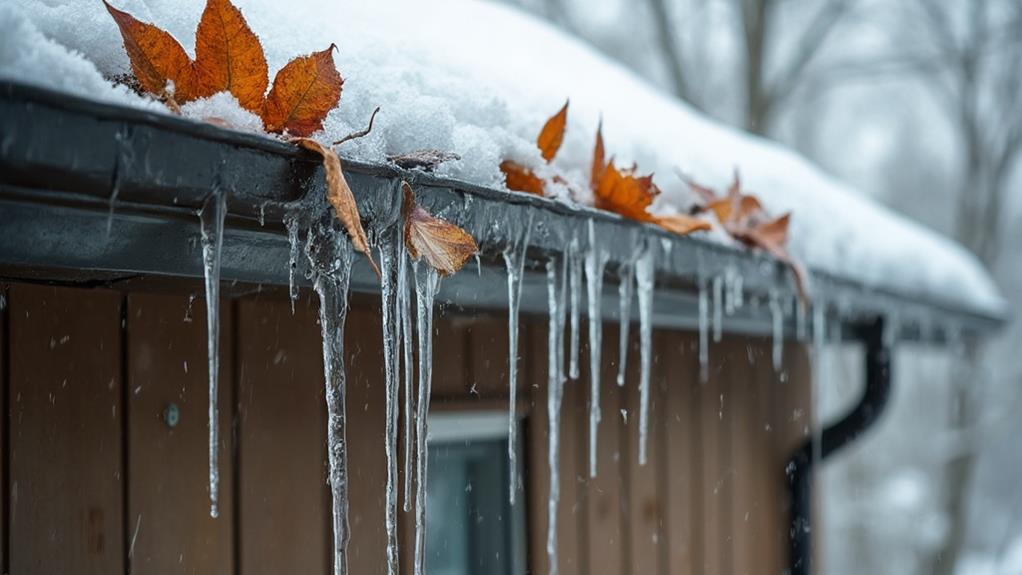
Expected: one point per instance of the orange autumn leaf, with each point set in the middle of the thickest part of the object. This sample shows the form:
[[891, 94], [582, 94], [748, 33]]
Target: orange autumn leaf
[[339, 194], [156, 57], [228, 56], [596, 173], [743, 218], [521, 179], [552, 134], [624, 193], [303, 92], [443, 245]]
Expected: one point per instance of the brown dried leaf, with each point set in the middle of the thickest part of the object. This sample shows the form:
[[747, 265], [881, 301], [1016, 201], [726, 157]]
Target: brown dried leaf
[[445, 246], [340, 197], [521, 179], [620, 191], [552, 134], [426, 160], [599, 163], [228, 56], [303, 92], [156, 57]]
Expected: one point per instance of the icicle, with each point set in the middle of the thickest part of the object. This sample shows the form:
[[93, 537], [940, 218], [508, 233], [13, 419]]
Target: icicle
[[555, 389], [330, 254], [575, 271], [514, 262], [291, 222], [718, 312], [819, 339], [427, 282], [704, 333], [800, 320], [404, 294], [627, 279], [739, 291], [211, 218], [729, 291], [777, 323], [390, 260], [596, 263], [644, 275]]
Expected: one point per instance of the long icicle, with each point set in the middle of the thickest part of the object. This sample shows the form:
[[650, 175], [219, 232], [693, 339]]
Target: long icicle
[[644, 276], [625, 287], [718, 307], [426, 284], [404, 294], [211, 219], [291, 222], [596, 262], [514, 262], [330, 256], [777, 329], [390, 311], [575, 279], [556, 272]]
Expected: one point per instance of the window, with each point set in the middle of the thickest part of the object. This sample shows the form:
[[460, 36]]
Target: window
[[470, 525]]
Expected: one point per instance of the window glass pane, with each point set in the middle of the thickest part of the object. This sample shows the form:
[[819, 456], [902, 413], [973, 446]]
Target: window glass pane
[[470, 526]]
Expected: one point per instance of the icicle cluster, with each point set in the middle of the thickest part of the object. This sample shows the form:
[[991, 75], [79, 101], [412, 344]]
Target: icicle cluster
[[211, 218]]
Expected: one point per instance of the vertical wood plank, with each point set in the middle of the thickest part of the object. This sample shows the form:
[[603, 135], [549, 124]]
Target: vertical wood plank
[[606, 553], [66, 478], [488, 353], [284, 501], [367, 466], [683, 448], [169, 523], [714, 485], [644, 519]]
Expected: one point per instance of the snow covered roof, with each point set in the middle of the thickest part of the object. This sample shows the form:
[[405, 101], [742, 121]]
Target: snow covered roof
[[478, 79]]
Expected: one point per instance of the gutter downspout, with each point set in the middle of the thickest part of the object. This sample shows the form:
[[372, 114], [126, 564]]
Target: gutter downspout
[[835, 436]]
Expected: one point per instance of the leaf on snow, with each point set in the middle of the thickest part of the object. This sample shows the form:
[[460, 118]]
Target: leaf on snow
[[340, 197], [228, 56], [426, 160], [599, 163], [520, 178], [552, 134], [303, 92], [743, 217], [622, 192], [445, 246], [156, 57]]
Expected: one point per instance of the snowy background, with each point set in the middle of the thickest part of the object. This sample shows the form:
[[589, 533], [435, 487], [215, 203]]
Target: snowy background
[[894, 97], [914, 103]]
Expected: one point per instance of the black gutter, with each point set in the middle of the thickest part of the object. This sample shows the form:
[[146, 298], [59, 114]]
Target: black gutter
[[835, 436]]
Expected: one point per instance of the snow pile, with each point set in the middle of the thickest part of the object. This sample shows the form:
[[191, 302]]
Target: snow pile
[[479, 79]]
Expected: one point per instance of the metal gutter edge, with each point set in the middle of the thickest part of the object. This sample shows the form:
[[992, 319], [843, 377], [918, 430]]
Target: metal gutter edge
[[144, 175], [835, 436]]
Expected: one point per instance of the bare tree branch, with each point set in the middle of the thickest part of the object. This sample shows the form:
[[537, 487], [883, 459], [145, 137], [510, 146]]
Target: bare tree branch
[[671, 50]]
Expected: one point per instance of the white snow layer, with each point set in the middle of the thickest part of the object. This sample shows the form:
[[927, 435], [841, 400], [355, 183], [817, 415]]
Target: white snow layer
[[479, 79]]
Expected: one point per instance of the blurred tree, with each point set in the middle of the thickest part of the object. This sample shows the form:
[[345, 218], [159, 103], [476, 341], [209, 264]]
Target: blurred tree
[[972, 59], [769, 75]]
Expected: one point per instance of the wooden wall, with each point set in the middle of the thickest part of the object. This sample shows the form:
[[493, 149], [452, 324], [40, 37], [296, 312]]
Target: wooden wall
[[95, 481]]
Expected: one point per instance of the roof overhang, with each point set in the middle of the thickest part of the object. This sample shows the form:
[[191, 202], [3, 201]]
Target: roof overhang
[[62, 158]]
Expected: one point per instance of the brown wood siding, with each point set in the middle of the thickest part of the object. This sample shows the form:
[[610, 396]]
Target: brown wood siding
[[98, 482]]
